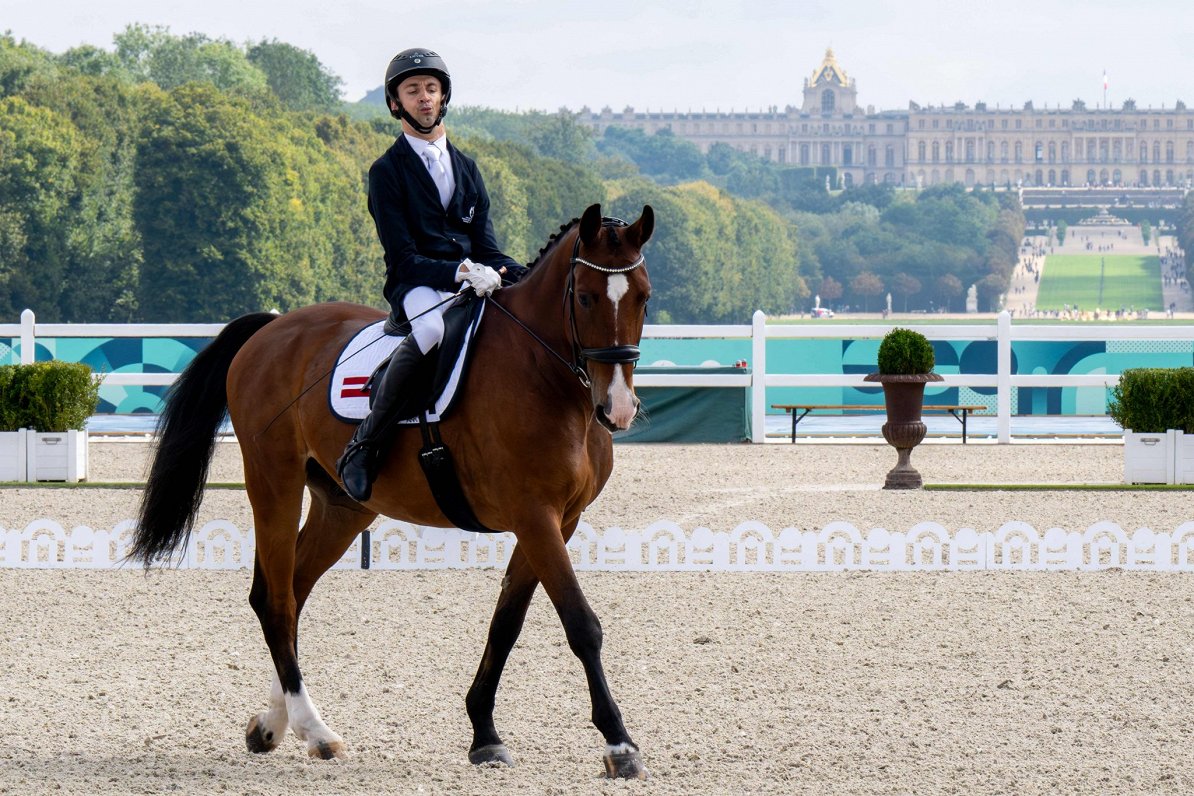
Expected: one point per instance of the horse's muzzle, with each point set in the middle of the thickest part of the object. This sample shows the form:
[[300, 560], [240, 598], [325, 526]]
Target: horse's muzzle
[[608, 422]]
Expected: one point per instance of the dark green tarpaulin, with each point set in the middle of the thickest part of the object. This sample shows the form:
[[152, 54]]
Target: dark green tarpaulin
[[690, 414]]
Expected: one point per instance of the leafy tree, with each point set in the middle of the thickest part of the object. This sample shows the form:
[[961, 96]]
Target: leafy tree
[[38, 183], [1146, 231], [830, 291], [664, 155], [296, 76], [559, 136], [867, 285], [555, 191], [152, 54], [226, 211], [990, 288], [948, 288], [1060, 230], [905, 285]]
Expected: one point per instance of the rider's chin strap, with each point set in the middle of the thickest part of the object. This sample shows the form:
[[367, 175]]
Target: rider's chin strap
[[406, 117]]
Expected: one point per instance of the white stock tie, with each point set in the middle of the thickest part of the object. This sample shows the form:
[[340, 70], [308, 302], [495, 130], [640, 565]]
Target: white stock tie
[[438, 173]]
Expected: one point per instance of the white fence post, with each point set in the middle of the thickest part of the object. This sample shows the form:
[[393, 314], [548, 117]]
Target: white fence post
[[758, 377], [1003, 390], [28, 346]]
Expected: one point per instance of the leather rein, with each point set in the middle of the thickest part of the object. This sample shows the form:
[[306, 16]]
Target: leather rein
[[611, 355]]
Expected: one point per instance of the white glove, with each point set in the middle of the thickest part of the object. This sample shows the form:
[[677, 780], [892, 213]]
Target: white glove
[[481, 278]]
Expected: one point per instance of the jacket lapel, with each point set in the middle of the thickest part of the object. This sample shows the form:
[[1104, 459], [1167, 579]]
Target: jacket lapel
[[413, 164], [454, 204]]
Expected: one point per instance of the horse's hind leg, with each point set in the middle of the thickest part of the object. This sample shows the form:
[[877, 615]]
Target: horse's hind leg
[[518, 586], [277, 502]]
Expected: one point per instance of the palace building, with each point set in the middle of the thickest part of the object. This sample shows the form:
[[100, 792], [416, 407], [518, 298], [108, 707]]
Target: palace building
[[924, 146]]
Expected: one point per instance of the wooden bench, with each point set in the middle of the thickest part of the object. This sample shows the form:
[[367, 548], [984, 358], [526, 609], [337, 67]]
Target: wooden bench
[[799, 411]]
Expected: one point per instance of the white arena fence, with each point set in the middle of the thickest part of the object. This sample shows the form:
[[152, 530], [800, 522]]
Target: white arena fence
[[758, 332], [663, 546]]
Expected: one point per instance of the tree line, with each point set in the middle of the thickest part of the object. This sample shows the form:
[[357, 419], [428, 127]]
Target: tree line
[[188, 179]]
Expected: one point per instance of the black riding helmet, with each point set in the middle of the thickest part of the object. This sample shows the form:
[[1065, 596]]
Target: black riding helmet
[[409, 63]]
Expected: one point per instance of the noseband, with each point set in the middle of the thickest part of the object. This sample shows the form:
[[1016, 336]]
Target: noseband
[[610, 355]]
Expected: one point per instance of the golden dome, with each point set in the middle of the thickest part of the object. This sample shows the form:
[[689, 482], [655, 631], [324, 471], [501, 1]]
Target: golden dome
[[829, 71]]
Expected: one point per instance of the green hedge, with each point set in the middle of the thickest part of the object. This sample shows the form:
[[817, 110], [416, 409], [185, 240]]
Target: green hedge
[[904, 351], [47, 396], [1153, 400]]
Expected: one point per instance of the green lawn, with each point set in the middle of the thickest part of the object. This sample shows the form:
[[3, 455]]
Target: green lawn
[[1106, 281]]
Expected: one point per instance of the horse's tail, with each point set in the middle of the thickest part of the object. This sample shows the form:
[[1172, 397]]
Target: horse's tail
[[195, 409]]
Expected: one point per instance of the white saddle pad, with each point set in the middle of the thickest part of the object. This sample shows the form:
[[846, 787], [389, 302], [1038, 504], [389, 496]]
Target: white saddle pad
[[361, 356]]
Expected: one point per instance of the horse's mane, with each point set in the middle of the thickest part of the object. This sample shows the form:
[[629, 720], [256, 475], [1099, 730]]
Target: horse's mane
[[611, 231], [553, 240]]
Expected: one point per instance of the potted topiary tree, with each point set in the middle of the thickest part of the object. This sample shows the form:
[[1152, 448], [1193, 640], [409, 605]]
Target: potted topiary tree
[[47, 404], [905, 366]]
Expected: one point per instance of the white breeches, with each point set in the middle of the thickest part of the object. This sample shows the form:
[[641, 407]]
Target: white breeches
[[426, 325]]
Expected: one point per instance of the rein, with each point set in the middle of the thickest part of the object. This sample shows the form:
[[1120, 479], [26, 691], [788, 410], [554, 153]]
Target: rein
[[612, 355]]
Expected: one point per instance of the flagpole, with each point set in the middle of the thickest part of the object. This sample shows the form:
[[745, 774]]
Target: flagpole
[[1105, 88]]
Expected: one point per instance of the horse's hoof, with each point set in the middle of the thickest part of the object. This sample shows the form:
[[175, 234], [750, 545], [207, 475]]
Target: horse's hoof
[[328, 750], [258, 740], [493, 754], [625, 765]]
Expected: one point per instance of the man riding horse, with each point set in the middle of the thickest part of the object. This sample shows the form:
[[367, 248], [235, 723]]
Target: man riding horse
[[431, 210]]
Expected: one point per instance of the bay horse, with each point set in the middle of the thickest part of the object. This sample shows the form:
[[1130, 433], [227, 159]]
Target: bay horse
[[531, 437]]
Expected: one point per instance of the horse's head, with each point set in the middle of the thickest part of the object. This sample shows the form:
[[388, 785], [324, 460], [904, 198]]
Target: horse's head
[[606, 302]]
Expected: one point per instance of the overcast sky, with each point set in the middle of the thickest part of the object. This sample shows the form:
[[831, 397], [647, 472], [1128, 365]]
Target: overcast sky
[[700, 54]]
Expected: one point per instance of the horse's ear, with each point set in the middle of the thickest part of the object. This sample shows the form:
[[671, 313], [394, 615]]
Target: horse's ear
[[640, 231], [590, 224]]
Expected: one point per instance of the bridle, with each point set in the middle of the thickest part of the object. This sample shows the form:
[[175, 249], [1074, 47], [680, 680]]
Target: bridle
[[611, 355]]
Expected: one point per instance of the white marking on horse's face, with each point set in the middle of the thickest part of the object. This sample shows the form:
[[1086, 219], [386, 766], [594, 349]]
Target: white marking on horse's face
[[616, 287], [620, 404]]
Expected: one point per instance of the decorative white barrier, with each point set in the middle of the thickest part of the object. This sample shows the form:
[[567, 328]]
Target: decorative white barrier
[[663, 546]]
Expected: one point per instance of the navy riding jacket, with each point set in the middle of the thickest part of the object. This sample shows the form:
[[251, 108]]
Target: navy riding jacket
[[424, 243]]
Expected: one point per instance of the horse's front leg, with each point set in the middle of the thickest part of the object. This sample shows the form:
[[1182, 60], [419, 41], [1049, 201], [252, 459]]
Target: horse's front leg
[[518, 586], [548, 557]]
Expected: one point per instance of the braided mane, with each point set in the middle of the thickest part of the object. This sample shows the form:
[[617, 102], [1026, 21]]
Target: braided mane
[[553, 240], [611, 231]]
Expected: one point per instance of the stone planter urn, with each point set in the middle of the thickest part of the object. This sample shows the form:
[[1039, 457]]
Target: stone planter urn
[[904, 395]]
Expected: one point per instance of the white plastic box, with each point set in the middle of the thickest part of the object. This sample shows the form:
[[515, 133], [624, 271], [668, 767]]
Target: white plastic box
[[1148, 458], [1183, 458], [57, 456], [13, 455]]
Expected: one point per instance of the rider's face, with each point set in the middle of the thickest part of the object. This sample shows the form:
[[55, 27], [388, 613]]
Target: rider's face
[[420, 97]]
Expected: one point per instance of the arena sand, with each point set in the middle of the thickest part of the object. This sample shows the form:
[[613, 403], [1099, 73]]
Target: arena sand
[[131, 682]]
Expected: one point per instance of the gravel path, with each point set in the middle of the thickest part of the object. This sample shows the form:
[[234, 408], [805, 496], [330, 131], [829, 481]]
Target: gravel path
[[975, 683]]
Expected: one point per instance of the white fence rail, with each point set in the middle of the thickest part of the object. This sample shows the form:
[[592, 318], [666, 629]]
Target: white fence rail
[[663, 546], [758, 333]]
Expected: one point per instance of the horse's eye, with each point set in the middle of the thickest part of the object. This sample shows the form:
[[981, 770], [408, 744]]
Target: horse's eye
[[586, 300]]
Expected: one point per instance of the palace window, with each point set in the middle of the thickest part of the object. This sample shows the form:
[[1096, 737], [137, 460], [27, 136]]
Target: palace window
[[827, 101]]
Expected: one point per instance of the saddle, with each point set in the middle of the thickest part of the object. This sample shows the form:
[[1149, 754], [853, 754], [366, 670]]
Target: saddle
[[364, 358], [360, 365]]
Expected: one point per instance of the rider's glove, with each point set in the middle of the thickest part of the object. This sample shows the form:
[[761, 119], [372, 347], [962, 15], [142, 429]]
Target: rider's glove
[[481, 278]]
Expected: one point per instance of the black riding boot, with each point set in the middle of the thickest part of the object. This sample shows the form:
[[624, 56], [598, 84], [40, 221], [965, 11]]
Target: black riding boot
[[393, 400]]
